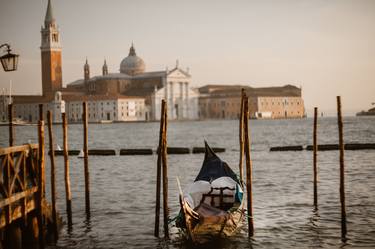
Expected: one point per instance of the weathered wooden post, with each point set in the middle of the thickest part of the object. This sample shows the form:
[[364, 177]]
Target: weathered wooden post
[[11, 128], [241, 135], [86, 158], [248, 169], [68, 195], [41, 118], [40, 183], [53, 177], [342, 169], [165, 175], [158, 170], [41, 113], [13, 237], [315, 147]]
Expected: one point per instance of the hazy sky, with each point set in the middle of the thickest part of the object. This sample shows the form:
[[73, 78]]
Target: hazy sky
[[325, 46]]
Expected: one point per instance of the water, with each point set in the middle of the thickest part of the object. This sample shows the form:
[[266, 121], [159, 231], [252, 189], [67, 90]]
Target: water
[[123, 187]]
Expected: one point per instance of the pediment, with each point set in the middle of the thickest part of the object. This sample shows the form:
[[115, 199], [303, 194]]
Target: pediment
[[178, 73]]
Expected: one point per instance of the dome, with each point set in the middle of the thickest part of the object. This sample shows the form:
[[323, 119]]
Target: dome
[[132, 64]]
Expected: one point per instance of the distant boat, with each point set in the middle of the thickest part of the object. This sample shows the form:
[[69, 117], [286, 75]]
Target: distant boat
[[106, 121], [58, 147], [81, 154]]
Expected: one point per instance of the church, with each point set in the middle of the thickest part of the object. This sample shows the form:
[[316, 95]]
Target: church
[[132, 94]]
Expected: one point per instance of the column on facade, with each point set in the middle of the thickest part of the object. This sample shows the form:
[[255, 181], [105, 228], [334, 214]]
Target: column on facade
[[181, 105], [187, 99], [171, 100]]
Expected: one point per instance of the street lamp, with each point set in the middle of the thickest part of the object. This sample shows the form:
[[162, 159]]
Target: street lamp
[[9, 60]]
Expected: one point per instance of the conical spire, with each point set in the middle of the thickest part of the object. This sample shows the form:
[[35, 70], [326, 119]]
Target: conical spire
[[49, 15]]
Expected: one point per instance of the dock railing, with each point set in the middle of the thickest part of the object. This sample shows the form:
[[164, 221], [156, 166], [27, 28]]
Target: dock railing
[[19, 173]]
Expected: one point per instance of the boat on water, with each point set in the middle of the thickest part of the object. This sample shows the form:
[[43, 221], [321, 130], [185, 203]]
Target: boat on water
[[213, 205], [81, 154]]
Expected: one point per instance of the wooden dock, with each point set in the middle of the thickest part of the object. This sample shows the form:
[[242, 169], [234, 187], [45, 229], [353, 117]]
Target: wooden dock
[[19, 182]]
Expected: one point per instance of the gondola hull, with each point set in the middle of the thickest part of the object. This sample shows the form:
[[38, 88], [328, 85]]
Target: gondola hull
[[207, 223], [213, 205]]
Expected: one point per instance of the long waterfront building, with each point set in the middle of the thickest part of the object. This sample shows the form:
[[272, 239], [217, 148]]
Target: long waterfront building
[[223, 102]]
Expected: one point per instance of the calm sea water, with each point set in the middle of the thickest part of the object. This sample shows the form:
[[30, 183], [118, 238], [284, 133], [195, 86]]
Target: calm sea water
[[123, 187]]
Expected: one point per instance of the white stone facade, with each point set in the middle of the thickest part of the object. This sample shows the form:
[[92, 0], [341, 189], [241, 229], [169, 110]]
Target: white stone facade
[[121, 109], [182, 101], [29, 112]]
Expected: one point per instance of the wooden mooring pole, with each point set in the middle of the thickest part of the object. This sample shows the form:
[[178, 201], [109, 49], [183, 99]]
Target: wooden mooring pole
[[315, 147], [41, 113], [53, 176], [165, 175], [248, 170], [162, 172], [11, 127], [241, 135], [86, 159], [41, 118], [342, 170], [158, 171], [40, 183], [68, 195]]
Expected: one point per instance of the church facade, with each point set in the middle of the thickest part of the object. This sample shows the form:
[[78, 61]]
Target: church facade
[[132, 94], [133, 91]]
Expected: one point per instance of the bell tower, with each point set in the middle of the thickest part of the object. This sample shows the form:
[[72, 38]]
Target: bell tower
[[51, 55], [105, 68], [86, 71]]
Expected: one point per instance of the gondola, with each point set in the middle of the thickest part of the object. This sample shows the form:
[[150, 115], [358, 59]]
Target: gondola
[[213, 205]]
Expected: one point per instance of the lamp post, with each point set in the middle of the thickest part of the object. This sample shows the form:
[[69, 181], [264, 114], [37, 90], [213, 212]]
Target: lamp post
[[9, 60]]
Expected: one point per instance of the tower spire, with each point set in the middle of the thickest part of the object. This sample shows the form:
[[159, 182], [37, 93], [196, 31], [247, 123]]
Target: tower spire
[[49, 19], [51, 54], [86, 71]]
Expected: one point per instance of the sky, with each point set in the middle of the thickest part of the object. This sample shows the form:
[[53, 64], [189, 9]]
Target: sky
[[327, 47]]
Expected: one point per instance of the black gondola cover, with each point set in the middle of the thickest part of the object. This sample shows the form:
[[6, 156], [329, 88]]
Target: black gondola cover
[[213, 167]]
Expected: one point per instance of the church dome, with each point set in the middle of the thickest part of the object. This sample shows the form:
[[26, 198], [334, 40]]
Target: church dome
[[132, 64]]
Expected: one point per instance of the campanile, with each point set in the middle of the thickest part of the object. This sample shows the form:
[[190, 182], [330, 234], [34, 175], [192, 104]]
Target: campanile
[[51, 55]]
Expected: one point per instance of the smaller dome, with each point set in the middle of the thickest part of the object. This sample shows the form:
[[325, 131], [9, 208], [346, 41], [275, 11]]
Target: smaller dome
[[132, 64]]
